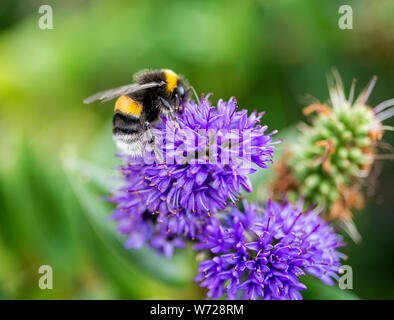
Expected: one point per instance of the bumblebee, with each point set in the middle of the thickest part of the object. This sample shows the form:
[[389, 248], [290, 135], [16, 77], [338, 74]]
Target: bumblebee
[[140, 104]]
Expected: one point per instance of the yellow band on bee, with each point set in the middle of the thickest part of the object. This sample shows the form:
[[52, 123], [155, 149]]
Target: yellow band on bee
[[128, 106], [171, 79]]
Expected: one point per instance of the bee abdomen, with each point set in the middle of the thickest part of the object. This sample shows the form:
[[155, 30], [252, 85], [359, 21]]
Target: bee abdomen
[[126, 124]]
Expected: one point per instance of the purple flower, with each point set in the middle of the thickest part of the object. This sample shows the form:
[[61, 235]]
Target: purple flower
[[263, 251], [201, 164]]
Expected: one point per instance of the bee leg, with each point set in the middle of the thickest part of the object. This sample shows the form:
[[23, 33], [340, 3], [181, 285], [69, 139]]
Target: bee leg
[[151, 140], [166, 104], [151, 137], [171, 110], [172, 115]]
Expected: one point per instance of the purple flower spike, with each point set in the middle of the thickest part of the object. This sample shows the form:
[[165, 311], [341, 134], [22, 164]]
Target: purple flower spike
[[261, 252], [200, 165]]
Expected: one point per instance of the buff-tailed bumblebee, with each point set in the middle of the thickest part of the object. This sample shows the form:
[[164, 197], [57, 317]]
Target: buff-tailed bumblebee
[[154, 93]]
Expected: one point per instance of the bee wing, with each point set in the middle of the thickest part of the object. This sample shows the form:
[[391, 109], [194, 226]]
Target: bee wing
[[110, 94]]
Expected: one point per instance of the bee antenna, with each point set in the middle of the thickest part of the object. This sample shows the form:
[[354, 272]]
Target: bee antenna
[[195, 94]]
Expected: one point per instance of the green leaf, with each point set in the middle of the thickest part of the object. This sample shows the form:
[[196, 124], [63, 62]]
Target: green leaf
[[317, 290]]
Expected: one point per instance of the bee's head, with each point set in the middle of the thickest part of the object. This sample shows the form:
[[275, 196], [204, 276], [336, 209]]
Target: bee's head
[[181, 91], [176, 87]]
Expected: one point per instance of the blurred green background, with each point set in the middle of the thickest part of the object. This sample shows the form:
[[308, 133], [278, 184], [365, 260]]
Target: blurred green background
[[56, 154]]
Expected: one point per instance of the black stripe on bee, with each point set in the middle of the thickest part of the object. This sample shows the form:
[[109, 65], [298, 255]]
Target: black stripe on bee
[[127, 124]]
